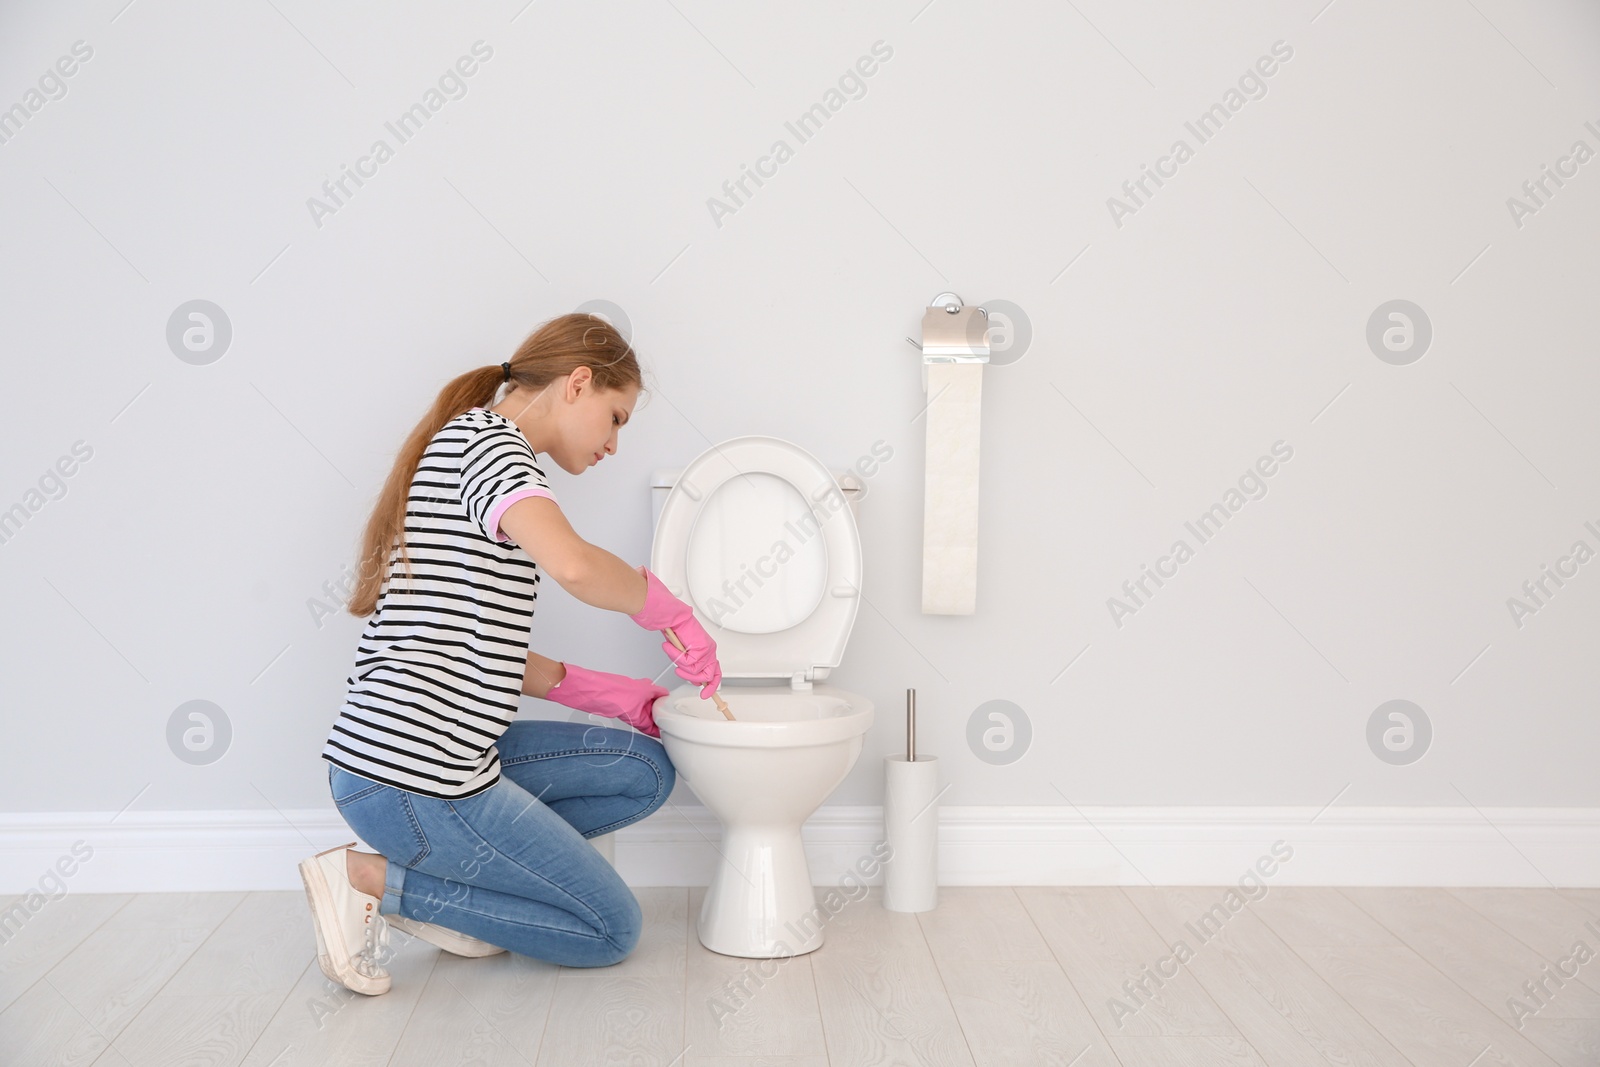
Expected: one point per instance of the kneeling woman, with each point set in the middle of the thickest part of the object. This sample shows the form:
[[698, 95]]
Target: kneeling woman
[[480, 821]]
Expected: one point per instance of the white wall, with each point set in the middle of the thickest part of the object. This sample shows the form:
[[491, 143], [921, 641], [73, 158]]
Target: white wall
[[1170, 350]]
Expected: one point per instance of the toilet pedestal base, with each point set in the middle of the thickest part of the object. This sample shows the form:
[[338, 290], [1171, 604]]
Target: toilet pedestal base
[[760, 903]]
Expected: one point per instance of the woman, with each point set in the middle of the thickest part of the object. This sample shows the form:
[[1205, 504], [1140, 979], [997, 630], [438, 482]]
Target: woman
[[480, 821]]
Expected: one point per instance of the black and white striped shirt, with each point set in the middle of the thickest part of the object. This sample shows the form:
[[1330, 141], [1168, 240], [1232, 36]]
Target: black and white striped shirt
[[438, 672]]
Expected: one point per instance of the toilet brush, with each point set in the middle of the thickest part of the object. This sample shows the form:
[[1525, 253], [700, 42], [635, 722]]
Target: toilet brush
[[715, 694], [911, 824]]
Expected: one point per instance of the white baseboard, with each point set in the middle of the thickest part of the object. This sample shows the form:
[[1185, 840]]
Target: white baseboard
[[154, 852]]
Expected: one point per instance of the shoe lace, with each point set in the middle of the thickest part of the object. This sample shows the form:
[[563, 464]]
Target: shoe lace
[[375, 948]]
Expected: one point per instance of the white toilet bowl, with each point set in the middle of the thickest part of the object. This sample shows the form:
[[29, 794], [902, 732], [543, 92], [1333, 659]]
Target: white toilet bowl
[[762, 776], [757, 536]]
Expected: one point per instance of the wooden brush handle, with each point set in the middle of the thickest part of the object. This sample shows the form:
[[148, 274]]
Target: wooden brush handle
[[716, 694]]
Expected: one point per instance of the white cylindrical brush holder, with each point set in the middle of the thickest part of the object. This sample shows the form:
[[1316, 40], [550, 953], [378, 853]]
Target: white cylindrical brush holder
[[911, 828]]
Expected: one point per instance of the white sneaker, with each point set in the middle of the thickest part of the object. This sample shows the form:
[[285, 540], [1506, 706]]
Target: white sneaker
[[351, 935], [449, 940]]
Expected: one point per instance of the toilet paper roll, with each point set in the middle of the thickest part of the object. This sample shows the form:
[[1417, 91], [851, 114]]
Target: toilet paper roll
[[911, 828], [950, 495]]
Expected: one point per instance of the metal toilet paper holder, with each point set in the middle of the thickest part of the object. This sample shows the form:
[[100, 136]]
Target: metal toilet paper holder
[[952, 333]]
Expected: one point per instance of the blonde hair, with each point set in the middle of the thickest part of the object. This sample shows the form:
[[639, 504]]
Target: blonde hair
[[552, 351]]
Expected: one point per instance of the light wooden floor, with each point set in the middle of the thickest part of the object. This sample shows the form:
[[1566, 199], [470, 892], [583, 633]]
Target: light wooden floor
[[1025, 976]]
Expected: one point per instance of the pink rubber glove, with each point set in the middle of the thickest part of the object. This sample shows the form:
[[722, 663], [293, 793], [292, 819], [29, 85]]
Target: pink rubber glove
[[615, 696], [697, 663]]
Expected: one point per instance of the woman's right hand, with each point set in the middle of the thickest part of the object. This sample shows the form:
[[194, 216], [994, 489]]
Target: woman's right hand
[[697, 662]]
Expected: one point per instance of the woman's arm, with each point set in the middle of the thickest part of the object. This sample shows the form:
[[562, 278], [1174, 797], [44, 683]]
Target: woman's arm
[[541, 673], [588, 572]]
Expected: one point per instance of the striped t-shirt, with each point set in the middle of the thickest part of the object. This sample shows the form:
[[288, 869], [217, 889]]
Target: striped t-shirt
[[438, 672]]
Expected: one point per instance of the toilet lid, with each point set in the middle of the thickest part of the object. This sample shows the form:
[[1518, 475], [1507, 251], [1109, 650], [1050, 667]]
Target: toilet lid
[[757, 537]]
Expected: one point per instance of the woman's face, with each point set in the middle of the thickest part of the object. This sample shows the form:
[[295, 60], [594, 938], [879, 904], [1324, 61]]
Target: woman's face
[[570, 420], [588, 419]]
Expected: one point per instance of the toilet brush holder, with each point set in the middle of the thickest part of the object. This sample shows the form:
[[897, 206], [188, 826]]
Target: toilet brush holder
[[911, 824], [911, 827]]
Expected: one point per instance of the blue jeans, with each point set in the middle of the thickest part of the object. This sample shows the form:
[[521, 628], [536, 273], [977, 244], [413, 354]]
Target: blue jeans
[[511, 866]]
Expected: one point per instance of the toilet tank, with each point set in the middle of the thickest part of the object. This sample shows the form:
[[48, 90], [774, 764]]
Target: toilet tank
[[664, 478]]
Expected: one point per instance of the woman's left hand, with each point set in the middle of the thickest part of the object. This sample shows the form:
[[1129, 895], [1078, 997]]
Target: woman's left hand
[[616, 696]]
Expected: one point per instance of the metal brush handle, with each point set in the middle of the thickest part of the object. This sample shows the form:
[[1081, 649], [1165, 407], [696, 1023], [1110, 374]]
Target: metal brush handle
[[911, 725]]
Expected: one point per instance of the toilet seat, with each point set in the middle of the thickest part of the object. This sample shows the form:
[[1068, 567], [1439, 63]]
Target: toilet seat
[[757, 537]]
